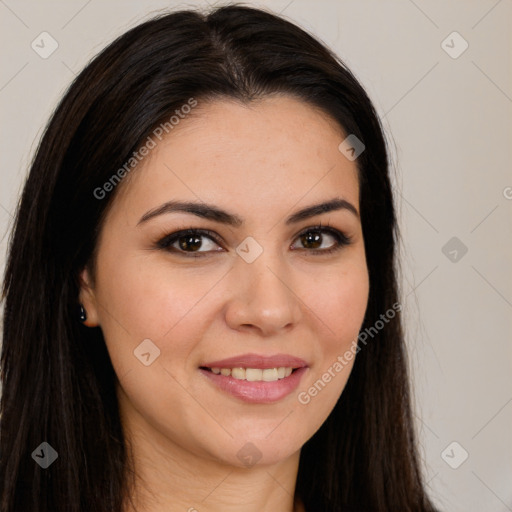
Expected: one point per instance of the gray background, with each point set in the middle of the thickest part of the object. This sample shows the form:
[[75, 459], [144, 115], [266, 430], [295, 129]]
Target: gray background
[[449, 122]]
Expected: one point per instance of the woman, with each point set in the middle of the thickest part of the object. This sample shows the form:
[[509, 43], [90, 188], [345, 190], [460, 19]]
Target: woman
[[203, 255]]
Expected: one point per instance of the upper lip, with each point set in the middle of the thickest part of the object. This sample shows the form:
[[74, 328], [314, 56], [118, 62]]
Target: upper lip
[[258, 361]]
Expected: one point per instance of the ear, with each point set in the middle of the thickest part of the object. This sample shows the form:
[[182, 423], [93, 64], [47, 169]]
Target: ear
[[88, 299]]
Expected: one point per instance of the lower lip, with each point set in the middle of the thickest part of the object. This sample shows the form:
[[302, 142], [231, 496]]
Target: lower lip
[[259, 392]]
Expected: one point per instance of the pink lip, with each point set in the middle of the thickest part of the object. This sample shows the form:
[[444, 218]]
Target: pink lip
[[258, 361], [257, 392]]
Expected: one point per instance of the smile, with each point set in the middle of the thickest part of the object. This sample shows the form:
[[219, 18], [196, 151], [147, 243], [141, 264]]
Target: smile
[[256, 378], [255, 374]]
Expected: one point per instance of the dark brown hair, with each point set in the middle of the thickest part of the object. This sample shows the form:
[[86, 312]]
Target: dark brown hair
[[58, 381]]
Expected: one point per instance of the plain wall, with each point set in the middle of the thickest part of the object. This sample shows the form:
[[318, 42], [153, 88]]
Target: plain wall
[[449, 123]]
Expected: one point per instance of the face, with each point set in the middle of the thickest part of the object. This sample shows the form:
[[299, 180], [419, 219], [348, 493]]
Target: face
[[204, 328]]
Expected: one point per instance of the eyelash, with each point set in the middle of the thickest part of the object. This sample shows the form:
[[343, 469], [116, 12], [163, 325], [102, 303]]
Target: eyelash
[[342, 240]]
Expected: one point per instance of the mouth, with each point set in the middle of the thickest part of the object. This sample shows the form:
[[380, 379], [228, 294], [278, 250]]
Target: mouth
[[255, 378]]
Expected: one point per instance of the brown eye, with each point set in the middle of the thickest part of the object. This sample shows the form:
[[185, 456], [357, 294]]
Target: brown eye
[[313, 238], [189, 242]]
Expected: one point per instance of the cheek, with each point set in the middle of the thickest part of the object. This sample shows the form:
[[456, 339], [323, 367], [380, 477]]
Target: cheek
[[341, 304], [140, 300], [341, 307], [151, 297], [148, 301]]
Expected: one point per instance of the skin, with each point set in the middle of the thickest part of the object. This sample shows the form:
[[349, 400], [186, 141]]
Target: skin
[[263, 162]]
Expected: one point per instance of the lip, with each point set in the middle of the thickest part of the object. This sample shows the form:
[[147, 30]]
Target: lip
[[258, 361], [259, 392]]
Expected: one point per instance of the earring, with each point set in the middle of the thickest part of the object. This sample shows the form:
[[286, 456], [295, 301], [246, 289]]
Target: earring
[[83, 314]]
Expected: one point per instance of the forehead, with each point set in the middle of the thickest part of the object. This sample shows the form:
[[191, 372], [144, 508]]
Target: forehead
[[275, 151]]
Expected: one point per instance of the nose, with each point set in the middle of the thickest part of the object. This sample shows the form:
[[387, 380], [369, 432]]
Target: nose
[[262, 297]]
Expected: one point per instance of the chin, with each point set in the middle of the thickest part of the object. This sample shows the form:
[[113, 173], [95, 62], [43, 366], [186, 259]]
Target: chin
[[246, 451]]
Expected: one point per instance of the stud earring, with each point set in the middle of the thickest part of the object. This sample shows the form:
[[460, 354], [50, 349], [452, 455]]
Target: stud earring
[[83, 314]]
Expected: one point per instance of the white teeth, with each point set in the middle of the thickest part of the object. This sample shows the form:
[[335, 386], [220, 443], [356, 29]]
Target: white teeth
[[255, 374], [269, 374], [238, 373]]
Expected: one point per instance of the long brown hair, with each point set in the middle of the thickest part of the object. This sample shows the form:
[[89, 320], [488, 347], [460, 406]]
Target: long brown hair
[[58, 382]]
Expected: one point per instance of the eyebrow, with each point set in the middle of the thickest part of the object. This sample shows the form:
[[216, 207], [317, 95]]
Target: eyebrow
[[211, 212]]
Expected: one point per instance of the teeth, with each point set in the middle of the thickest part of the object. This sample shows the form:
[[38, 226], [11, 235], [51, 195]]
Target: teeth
[[269, 374], [255, 374], [238, 373]]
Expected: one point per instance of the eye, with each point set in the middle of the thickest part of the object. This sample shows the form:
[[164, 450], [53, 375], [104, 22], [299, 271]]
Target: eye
[[189, 242], [314, 238]]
